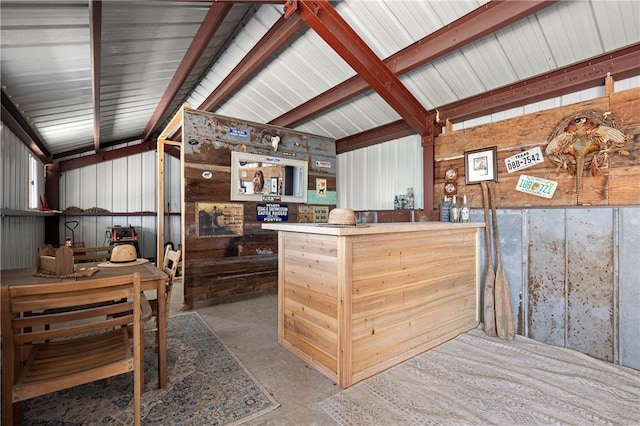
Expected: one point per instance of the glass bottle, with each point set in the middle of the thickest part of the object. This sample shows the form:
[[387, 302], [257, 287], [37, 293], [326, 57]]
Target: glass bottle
[[464, 210], [455, 211], [445, 209]]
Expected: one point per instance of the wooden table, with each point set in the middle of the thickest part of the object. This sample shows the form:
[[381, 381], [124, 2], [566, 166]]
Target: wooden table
[[355, 301], [151, 278]]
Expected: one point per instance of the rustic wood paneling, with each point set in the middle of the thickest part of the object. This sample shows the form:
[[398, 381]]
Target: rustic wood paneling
[[354, 305], [617, 185], [223, 268]]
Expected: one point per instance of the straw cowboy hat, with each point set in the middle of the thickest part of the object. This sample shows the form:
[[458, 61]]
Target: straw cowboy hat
[[123, 255], [339, 217]]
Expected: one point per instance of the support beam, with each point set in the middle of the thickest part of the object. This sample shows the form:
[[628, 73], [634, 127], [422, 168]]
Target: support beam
[[15, 122], [206, 31], [95, 36], [619, 64], [99, 157], [482, 21], [337, 33]]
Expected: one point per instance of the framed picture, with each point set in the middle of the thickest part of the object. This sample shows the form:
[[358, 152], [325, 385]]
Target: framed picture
[[481, 165]]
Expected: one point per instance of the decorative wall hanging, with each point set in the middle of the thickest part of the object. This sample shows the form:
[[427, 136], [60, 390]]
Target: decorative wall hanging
[[481, 165], [313, 214], [219, 220], [586, 139]]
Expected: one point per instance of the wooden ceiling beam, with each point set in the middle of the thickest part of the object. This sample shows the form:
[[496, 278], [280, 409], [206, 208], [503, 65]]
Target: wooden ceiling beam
[[212, 21], [336, 32], [471, 27]]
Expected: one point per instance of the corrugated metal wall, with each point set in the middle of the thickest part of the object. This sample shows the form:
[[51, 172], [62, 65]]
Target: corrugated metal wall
[[125, 185], [369, 179], [21, 235], [574, 277]]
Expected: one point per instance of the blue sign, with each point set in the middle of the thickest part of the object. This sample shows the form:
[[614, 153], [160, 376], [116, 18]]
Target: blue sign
[[236, 132], [272, 212]]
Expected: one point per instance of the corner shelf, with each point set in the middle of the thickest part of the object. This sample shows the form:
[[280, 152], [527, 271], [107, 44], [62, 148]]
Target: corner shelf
[[36, 213]]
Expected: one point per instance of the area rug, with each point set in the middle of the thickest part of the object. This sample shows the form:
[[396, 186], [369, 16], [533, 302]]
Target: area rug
[[207, 386], [475, 379]]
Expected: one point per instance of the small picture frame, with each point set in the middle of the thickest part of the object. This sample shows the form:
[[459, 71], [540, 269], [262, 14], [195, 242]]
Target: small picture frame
[[481, 165]]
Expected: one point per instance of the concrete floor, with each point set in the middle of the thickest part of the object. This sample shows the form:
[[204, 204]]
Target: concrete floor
[[250, 330]]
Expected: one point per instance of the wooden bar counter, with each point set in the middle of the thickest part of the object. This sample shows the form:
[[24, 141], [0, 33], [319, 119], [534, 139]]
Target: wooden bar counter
[[354, 301]]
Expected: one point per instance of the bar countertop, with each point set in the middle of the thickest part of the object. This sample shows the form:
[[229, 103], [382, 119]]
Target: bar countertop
[[366, 229]]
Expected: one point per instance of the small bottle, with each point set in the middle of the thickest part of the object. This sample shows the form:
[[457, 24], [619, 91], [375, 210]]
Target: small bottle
[[455, 211], [445, 209], [464, 210]]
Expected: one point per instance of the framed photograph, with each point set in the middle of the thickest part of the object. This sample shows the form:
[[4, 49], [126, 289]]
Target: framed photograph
[[481, 165]]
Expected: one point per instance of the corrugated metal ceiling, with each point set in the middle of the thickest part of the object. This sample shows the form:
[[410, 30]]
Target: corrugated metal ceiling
[[46, 55]]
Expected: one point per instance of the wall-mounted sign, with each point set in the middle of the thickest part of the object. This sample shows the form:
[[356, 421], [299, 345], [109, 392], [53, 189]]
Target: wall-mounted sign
[[323, 164], [321, 188], [207, 174], [272, 212], [313, 214], [239, 133], [219, 220], [524, 159], [536, 186], [289, 154]]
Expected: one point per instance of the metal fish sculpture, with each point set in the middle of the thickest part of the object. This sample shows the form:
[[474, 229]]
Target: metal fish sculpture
[[586, 139]]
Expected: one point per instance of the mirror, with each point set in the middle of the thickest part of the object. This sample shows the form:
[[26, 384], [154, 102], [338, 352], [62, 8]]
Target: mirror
[[254, 176]]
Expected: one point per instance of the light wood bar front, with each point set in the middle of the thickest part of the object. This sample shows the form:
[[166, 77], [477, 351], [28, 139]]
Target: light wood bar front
[[354, 301]]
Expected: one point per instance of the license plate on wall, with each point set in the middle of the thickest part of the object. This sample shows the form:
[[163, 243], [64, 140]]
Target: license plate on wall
[[524, 159], [536, 186]]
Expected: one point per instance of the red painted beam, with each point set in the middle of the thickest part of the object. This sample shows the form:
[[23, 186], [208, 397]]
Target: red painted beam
[[95, 37], [395, 130], [100, 157], [621, 63], [337, 33], [269, 44], [212, 21], [467, 29]]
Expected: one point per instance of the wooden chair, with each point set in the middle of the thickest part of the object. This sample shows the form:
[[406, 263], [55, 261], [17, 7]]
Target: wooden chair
[[91, 254], [170, 265], [87, 341]]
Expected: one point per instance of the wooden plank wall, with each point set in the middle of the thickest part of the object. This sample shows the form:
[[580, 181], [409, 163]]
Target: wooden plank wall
[[617, 185], [225, 268]]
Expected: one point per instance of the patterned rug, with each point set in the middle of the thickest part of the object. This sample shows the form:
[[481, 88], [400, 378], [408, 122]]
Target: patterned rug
[[477, 380], [207, 386]]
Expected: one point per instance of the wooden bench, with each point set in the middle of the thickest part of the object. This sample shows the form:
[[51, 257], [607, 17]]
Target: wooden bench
[[91, 254]]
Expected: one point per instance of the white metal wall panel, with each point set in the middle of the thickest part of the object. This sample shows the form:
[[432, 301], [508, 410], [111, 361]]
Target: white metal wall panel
[[370, 178], [20, 235], [121, 186], [628, 238]]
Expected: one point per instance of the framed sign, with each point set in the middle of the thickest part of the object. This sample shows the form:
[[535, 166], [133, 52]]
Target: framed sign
[[481, 165], [219, 219]]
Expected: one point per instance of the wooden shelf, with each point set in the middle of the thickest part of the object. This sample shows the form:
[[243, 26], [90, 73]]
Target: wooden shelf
[[16, 212], [118, 214]]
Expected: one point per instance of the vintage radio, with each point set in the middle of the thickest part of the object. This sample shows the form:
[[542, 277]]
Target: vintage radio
[[123, 233]]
